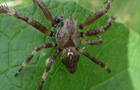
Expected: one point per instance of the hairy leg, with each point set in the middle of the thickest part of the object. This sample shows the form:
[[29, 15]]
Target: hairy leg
[[95, 60], [51, 61], [97, 15], [45, 11], [46, 45], [100, 29], [37, 25], [90, 42]]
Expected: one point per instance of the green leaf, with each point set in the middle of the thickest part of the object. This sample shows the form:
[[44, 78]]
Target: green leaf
[[120, 51]]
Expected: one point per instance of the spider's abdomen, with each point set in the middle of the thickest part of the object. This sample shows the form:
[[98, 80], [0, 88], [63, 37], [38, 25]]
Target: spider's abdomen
[[70, 58], [68, 35]]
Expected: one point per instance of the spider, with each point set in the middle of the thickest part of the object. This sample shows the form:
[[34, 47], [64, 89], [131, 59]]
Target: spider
[[67, 37]]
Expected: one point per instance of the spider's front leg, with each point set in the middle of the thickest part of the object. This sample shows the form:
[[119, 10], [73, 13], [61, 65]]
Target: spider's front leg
[[46, 12], [48, 67], [97, 15], [37, 25], [94, 60], [99, 30], [46, 45]]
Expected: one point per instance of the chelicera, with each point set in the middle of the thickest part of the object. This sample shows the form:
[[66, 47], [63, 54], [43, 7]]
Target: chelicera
[[67, 37]]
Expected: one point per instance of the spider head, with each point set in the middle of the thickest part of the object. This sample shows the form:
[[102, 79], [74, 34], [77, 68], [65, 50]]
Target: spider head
[[59, 19], [70, 58]]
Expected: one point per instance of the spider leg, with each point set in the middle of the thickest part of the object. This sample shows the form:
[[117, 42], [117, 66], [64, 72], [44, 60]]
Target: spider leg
[[95, 60], [45, 11], [46, 45], [90, 42], [97, 15], [37, 25], [100, 29], [48, 67]]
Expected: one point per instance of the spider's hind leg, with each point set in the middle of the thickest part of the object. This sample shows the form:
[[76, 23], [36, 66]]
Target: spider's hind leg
[[95, 60], [99, 30], [47, 45], [48, 67]]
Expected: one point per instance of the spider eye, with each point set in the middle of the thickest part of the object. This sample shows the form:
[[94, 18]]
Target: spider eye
[[59, 18]]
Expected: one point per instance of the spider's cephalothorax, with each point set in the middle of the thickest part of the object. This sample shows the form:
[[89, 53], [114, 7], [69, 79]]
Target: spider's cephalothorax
[[68, 34], [67, 37]]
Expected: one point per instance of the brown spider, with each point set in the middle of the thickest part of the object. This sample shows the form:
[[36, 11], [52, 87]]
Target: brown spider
[[67, 37]]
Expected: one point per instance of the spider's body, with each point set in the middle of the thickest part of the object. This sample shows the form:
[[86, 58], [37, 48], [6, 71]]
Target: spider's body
[[67, 37]]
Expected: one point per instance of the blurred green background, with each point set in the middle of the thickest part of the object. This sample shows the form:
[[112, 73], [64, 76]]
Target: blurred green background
[[126, 11]]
